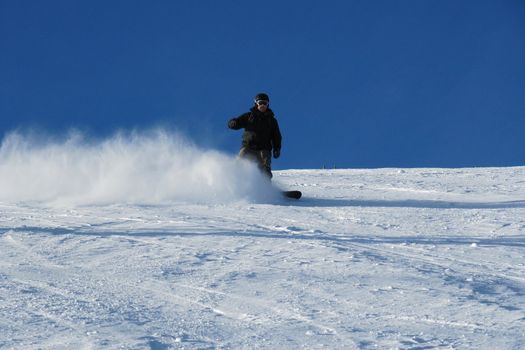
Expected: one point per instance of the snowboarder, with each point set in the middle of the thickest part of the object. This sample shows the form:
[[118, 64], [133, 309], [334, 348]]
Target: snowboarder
[[261, 134]]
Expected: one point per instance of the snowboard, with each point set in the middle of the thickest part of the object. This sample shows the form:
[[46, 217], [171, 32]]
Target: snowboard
[[292, 194]]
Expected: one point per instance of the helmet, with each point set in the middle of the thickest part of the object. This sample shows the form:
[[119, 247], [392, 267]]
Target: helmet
[[262, 96]]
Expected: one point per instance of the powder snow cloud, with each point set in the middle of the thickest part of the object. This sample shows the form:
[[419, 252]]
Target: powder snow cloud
[[149, 167]]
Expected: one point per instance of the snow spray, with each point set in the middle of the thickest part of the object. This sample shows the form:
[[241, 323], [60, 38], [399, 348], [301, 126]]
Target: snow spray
[[154, 167]]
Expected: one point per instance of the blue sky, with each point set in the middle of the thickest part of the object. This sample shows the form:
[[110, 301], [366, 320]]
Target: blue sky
[[353, 83]]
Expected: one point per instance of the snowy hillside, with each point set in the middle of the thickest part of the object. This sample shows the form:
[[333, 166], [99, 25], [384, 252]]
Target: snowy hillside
[[386, 258]]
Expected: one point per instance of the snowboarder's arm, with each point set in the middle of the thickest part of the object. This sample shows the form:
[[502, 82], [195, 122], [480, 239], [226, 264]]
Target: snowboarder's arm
[[276, 139], [239, 122]]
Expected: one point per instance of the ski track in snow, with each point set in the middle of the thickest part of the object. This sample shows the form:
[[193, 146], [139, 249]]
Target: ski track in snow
[[385, 258]]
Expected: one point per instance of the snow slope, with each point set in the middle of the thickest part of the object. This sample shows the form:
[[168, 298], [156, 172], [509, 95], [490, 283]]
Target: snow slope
[[386, 258], [145, 241]]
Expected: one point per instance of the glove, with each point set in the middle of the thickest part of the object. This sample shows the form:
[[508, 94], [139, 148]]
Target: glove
[[232, 124], [276, 153]]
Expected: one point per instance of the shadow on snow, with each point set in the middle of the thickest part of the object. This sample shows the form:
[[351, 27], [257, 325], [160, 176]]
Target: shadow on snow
[[509, 241], [409, 203]]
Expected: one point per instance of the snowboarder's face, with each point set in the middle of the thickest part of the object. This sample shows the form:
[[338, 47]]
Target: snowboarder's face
[[262, 105]]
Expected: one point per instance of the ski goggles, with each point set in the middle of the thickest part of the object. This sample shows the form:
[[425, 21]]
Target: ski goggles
[[261, 102]]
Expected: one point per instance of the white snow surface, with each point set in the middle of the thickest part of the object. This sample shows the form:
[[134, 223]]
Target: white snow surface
[[367, 259]]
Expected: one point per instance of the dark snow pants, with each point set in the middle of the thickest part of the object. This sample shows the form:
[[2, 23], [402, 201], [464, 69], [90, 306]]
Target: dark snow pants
[[263, 158]]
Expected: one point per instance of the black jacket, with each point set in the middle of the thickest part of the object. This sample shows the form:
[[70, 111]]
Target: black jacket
[[261, 130]]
